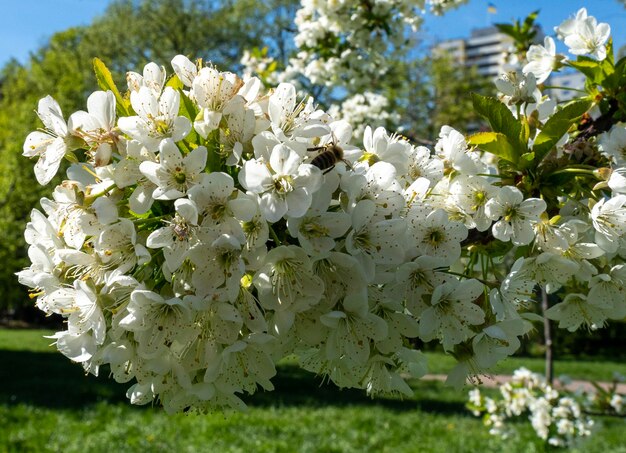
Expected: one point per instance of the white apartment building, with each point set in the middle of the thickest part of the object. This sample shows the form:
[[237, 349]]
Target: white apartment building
[[572, 80], [486, 48]]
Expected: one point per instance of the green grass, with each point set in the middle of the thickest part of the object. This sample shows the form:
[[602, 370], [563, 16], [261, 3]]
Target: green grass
[[596, 370], [47, 404]]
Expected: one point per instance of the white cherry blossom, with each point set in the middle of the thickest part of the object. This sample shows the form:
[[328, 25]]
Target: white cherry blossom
[[514, 216], [49, 145], [157, 117]]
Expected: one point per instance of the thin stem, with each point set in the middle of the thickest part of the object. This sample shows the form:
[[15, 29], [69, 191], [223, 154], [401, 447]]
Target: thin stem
[[554, 87], [275, 236], [577, 171], [150, 220], [458, 274], [547, 335]]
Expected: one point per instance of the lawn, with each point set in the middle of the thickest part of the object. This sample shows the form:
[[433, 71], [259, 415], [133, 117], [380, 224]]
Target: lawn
[[47, 404]]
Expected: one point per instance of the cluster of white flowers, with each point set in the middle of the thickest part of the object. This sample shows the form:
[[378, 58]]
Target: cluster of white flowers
[[362, 109], [209, 228], [258, 62], [556, 419], [192, 251], [606, 399], [348, 41], [582, 34]]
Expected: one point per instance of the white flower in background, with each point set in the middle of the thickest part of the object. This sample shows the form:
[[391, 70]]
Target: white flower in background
[[157, 117], [588, 37], [285, 185], [515, 216], [542, 60], [613, 144], [609, 291], [557, 419], [49, 145], [153, 78], [576, 310], [617, 402], [179, 234], [362, 109], [96, 126], [516, 87], [174, 174], [609, 221]]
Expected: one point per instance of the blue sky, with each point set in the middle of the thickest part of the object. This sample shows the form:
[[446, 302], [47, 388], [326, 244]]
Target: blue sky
[[26, 24]]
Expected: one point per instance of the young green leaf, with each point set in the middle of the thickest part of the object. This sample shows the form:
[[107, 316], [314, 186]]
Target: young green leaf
[[557, 126], [188, 109], [503, 122], [494, 143], [106, 83]]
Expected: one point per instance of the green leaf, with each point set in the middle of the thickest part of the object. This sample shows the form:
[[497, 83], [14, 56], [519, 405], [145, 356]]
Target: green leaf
[[557, 125], [174, 82], [494, 143], [592, 69], [502, 121], [106, 83], [188, 109]]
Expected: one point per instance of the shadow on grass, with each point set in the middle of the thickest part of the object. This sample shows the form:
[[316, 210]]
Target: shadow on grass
[[297, 387], [50, 380]]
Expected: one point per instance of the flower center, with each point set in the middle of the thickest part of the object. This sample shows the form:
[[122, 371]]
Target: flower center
[[510, 213], [283, 184], [434, 237], [370, 158], [179, 176], [312, 229]]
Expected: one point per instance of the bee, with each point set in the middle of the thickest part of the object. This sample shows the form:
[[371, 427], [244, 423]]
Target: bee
[[329, 155]]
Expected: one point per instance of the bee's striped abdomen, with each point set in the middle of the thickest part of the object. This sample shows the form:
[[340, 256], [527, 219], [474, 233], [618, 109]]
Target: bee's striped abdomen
[[325, 160]]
